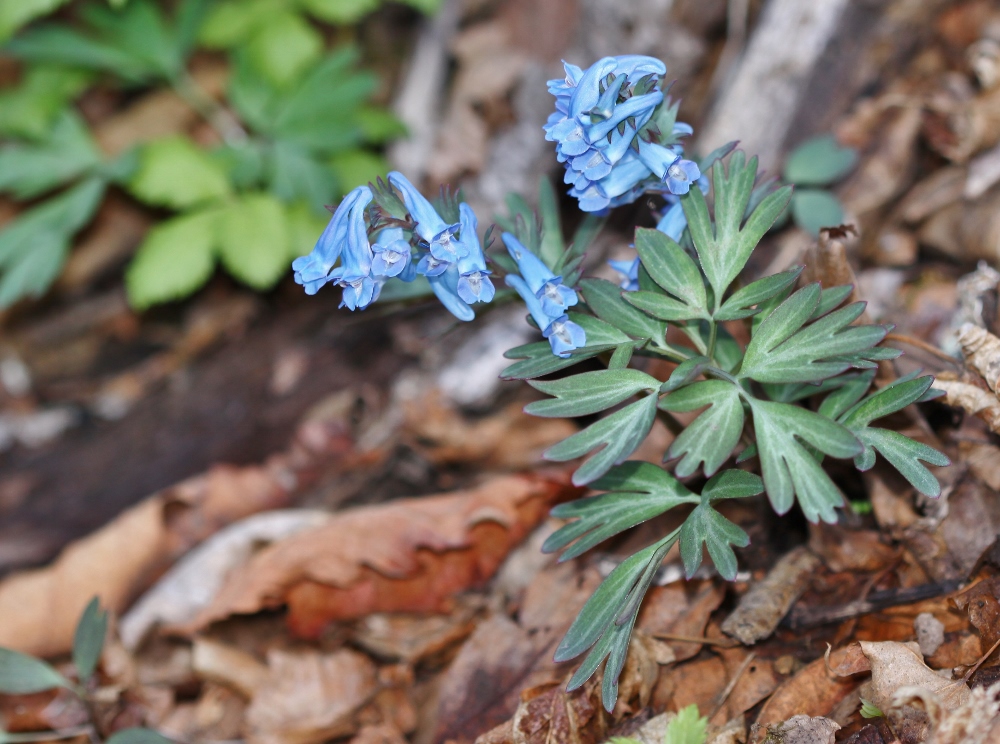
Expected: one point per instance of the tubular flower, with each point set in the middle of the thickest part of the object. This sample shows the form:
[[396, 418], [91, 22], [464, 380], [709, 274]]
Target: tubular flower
[[473, 283], [441, 237], [314, 270]]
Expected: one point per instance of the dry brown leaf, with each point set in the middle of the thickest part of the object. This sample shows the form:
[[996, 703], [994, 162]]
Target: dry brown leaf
[[39, 609], [845, 549], [751, 681], [762, 607], [413, 638], [972, 399], [382, 733], [309, 697], [813, 691], [899, 665], [804, 730], [411, 555], [982, 604], [680, 609], [981, 350], [548, 714], [228, 665], [976, 721], [696, 682]]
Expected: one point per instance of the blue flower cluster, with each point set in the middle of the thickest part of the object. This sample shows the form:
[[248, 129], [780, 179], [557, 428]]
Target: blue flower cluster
[[605, 131], [449, 255], [547, 298]]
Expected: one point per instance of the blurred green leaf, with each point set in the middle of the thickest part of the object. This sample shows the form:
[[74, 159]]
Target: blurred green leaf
[[295, 175], [819, 161], [21, 674], [340, 11], [378, 125], [231, 22], [88, 640], [356, 168], [176, 258], [253, 240], [30, 109], [284, 48], [27, 170], [814, 209], [137, 736], [427, 7], [176, 173], [16, 13], [33, 246], [687, 728], [304, 227]]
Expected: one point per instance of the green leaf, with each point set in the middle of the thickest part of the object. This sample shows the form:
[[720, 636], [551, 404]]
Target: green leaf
[[814, 209], [712, 437], [604, 625], [253, 240], [303, 226], [605, 299], [22, 675], [284, 47], [174, 172], [176, 258], [137, 736], [819, 161], [379, 126], [685, 372], [88, 639], [590, 392], [552, 247], [732, 484], [31, 109], [705, 526], [356, 168], [743, 302], [784, 349], [296, 176], [724, 247], [539, 359], [687, 728], [870, 710], [615, 437], [638, 491], [231, 22], [13, 15], [788, 468], [673, 269], [34, 245], [27, 170], [342, 12], [846, 394]]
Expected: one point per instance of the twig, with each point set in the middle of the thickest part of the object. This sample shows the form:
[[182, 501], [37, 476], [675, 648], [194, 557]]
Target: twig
[[720, 642], [923, 346], [68, 733], [727, 691], [813, 617], [968, 675]]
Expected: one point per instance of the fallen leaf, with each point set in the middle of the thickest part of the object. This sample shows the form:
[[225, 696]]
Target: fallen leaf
[[308, 697], [228, 665], [680, 609], [382, 733], [845, 549], [411, 637], [550, 714], [983, 607], [760, 610], [976, 721], [899, 665], [804, 730], [981, 350], [412, 555], [696, 683]]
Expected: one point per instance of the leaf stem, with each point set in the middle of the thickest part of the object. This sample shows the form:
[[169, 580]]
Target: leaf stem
[[221, 119], [713, 333]]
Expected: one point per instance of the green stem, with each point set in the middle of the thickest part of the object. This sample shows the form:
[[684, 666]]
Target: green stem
[[713, 333], [221, 119]]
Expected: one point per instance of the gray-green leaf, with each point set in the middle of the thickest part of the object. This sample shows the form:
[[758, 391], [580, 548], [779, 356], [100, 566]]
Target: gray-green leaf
[[590, 392], [88, 639], [711, 437], [21, 674], [819, 161]]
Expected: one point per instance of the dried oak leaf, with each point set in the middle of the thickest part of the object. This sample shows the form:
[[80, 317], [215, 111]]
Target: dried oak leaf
[[548, 713], [411, 555]]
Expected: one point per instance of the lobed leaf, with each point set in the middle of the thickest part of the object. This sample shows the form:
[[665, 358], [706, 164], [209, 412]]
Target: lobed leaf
[[590, 392], [673, 269], [706, 527], [605, 299], [174, 172], [28, 170], [712, 437], [742, 303]]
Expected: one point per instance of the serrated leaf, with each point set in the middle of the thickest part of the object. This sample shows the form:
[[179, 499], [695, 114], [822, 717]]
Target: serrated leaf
[[88, 640], [819, 161], [784, 349], [723, 247], [687, 728], [638, 491], [788, 468], [174, 172], [27, 170], [284, 47], [615, 437], [673, 269], [590, 392], [253, 240], [705, 526], [45, 91], [137, 736], [605, 299], [711, 437], [21, 674], [176, 258], [814, 209], [33, 246], [743, 302]]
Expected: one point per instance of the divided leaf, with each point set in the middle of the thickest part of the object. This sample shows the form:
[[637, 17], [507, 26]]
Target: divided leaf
[[538, 359], [724, 247], [605, 299], [27, 170], [638, 491], [789, 469], [174, 172], [784, 349], [743, 302], [675, 271], [590, 392], [615, 437], [253, 240], [711, 437], [706, 526]]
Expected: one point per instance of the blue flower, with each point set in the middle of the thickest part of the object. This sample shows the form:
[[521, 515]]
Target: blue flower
[[681, 175], [555, 297], [445, 286], [630, 270], [562, 333], [392, 253], [673, 222], [439, 235], [358, 293], [474, 283], [314, 270], [430, 266]]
